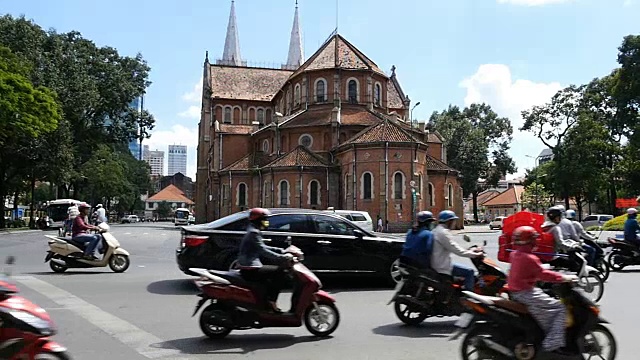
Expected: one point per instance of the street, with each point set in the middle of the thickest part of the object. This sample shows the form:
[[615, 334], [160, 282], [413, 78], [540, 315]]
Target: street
[[145, 313]]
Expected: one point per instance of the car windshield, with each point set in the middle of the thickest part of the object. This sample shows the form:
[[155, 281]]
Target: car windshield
[[226, 220], [58, 212], [181, 214]]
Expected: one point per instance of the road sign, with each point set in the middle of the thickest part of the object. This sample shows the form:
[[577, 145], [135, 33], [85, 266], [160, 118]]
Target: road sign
[[625, 203]]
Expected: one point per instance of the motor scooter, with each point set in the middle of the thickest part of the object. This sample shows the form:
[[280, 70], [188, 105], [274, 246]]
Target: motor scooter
[[65, 253], [25, 328], [236, 304]]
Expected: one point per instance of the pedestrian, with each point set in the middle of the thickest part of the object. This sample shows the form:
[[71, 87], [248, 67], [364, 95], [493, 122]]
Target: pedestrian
[[380, 227]]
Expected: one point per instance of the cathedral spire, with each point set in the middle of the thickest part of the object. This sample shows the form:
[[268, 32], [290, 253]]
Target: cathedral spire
[[296, 53], [231, 55]]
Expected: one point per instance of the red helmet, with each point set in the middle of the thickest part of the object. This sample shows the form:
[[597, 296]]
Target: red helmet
[[524, 235], [84, 205], [257, 214]]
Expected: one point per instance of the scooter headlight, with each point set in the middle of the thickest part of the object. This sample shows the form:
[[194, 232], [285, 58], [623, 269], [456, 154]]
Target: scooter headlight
[[43, 326]]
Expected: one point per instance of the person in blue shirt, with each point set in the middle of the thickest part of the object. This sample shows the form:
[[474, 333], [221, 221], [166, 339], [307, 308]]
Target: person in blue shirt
[[631, 227], [418, 243]]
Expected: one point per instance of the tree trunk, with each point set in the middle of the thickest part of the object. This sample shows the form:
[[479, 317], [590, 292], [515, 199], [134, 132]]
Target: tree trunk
[[32, 220], [3, 195], [474, 195], [15, 204], [579, 207]]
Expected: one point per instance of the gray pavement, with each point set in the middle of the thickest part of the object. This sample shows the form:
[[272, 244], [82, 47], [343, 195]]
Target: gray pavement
[[145, 312]]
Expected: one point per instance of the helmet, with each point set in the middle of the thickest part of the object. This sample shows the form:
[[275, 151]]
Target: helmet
[[98, 206], [570, 214], [446, 215], [632, 211], [560, 207], [258, 214], [524, 235], [84, 205], [554, 212], [424, 216]]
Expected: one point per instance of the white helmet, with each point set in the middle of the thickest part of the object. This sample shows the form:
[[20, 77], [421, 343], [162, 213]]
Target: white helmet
[[631, 211], [98, 206]]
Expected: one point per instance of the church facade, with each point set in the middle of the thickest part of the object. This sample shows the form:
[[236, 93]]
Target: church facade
[[329, 131]]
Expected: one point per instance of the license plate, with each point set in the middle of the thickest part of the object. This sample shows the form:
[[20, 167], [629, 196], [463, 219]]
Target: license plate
[[464, 321]]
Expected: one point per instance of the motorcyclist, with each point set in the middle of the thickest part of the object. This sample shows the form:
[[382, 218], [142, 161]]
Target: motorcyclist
[[418, 243], [444, 246], [80, 234], [582, 234], [101, 214], [253, 251], [526, 270], [561, 245], [631, 227]]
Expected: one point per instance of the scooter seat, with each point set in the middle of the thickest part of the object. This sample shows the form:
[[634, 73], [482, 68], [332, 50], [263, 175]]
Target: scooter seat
[[512, 306], [234, 277]]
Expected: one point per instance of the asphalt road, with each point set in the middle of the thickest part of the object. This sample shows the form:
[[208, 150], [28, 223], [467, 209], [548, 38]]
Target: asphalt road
[[145, 312]]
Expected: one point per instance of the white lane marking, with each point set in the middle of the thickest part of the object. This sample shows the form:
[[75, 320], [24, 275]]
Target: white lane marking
[[145, 233], [127, 233], [125, 332]]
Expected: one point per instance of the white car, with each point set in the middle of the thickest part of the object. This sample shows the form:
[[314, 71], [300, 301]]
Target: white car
[[360, 218], [130, 219], [496, 223], [595, 220]]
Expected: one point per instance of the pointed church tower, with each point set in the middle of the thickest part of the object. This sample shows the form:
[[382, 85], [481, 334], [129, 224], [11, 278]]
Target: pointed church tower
[[231, 55], [296, 53]]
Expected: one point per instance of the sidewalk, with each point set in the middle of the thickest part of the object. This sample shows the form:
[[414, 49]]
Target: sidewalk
[[18, 231]]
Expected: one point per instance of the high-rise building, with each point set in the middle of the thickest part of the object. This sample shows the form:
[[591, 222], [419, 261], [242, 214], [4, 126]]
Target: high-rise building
[[155, 159], [134, 145], [177, 159]]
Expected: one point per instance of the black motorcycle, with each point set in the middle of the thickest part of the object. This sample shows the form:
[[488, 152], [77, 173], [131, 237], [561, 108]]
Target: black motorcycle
[[497, 328], [623, 254]]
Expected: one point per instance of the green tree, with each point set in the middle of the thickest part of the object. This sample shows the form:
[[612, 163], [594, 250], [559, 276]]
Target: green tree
[[477, 144], [536, 197], [163, 210]]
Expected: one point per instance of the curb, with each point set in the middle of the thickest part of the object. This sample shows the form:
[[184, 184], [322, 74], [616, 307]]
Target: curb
[[13, 232]]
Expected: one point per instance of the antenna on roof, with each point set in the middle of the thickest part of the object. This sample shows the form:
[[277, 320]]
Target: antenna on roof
[[337, 14]]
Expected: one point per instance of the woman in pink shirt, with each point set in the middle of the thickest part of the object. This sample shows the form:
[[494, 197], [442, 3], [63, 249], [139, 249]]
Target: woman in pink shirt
[[526, 270]]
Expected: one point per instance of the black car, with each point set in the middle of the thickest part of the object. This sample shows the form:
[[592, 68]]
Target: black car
[[331, 243]]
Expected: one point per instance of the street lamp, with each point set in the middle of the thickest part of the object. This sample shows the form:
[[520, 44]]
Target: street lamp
[[537, 180], [413, 160]]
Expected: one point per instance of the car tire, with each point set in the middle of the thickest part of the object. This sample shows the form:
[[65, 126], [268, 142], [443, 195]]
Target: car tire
[[394, 275]]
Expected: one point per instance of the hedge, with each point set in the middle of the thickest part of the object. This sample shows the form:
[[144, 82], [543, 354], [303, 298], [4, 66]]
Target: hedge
[[615, 224]]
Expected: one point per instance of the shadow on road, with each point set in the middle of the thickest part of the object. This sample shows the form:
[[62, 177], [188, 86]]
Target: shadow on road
[[69, 273], [428, 329], [235, 344], [173, 287]]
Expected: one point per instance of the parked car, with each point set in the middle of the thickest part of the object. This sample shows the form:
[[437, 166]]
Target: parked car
[[360, 218], [331, 243], [496, 223], [127, 219], [595, 220]]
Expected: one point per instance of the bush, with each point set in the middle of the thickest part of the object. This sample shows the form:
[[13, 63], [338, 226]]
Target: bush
[[615, 224], [593, 228]]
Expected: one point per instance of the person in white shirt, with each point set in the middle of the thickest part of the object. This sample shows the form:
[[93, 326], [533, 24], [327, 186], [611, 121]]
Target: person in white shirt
[[102, 214], [444, 246]]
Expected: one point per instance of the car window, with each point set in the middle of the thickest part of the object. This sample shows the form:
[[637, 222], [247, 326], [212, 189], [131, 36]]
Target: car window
[[238, 225], [332, 226], [606, 218], [358, 217], [288, 223], [590, 218], [346, 216]]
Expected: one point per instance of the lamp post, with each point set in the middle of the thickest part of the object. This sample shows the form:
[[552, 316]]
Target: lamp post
[[537, 180], [414, 155]]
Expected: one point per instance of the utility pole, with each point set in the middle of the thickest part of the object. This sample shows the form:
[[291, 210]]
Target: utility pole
[[414, 155]]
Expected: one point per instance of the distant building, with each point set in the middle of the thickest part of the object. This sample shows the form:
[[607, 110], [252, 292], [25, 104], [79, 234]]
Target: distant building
[[172, 195], [546, 155], [506, 203], [155, 159], [177, 159], [179, 180], [134, 145]]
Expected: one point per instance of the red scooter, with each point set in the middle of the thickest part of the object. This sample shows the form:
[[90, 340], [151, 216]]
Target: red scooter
[[237, 304], [25, 328]]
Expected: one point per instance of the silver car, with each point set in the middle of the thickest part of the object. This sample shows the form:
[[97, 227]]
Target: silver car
[[595, 220]]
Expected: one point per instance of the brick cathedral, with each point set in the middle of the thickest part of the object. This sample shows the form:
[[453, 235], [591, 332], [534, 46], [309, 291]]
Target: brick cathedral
[[332, 130]]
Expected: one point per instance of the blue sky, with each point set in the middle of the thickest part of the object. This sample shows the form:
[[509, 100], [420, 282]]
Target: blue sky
[[511, 54]]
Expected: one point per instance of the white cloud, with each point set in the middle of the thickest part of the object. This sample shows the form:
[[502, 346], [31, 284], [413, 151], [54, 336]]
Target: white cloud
[[628, 3], [533, 2], [193, 112], [177, 135], [494, 85], [195, 95]]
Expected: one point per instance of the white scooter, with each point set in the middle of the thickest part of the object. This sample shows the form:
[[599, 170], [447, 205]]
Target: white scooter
[[65, 253]]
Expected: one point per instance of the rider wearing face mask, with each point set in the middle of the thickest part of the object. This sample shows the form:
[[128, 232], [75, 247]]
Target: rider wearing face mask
[[418, 243], [526, 270], [631, 227], [444, 246], [253, 251]]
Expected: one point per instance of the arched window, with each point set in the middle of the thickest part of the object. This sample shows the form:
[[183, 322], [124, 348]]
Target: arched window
[[366, 184], [420, 187], [260, 116], [288, 110], [227, 115], [398, 185], [314, 192], [432, 200], [450, 195], [377, 95], [296, 95], [265, 146], [353, 91], [283, 187], [242, 195], [321, 90]]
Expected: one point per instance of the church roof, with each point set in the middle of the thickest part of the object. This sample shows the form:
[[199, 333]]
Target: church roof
[[337, 52], [246, 83], [300, 156], [385, 131], [250, 161], [320, 115], [434, 164]]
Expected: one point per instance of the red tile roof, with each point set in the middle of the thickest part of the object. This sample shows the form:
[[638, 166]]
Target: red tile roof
[[386, 130], [300, 156], [170, 193], [486, 196], [321, 115], [394, 100], [434, 164], [511, 196], [246, 83], [250, 161], [236, 129]]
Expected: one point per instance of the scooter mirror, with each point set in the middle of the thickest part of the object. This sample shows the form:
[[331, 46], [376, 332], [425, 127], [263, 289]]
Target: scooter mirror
[[466, 238]]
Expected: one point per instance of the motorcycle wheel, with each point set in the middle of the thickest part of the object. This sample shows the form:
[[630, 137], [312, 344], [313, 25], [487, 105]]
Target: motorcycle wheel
[[57, 267], [593, 347], [603, 266], [210, 330], [616, 261], [470, 347], [405, 313], [594, 289], [313, 319], [119, 263], [53, 356]]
